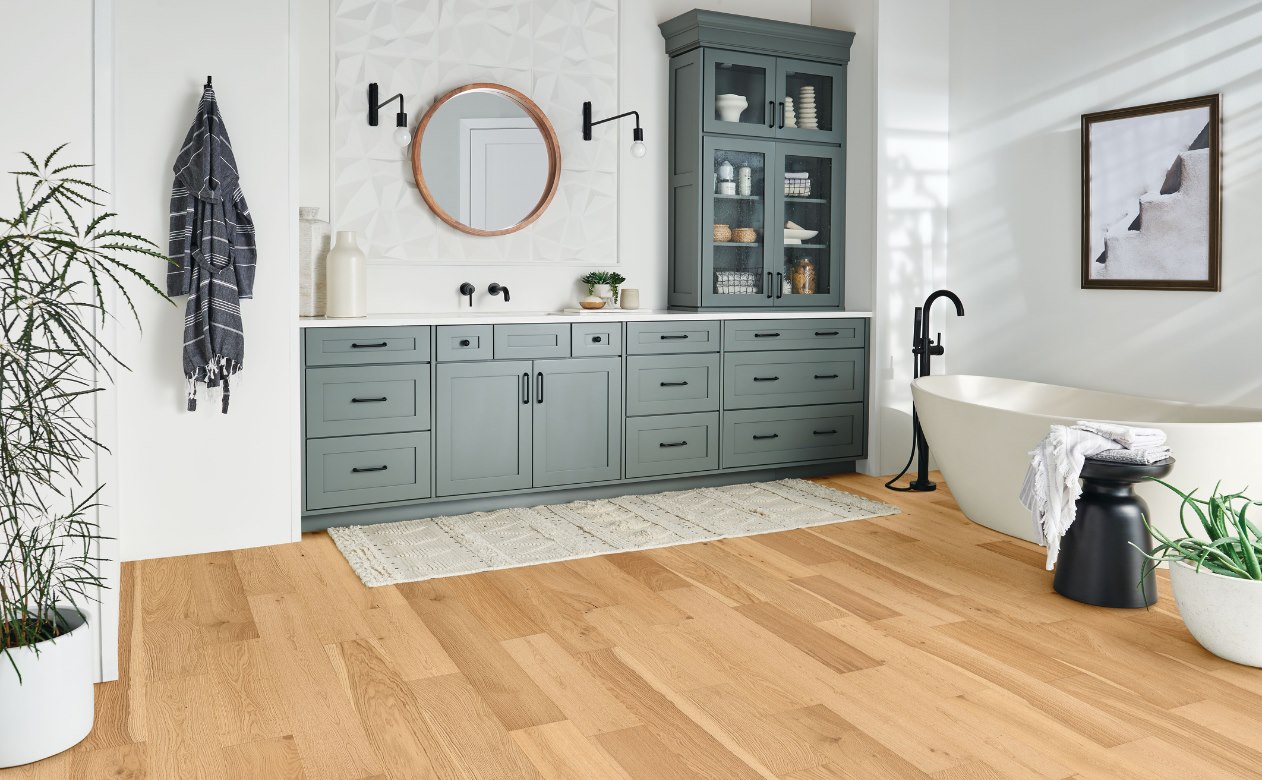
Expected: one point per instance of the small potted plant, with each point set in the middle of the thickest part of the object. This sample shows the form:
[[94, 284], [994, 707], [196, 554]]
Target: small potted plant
[[1216, 576], [603, 284], [58, 270]]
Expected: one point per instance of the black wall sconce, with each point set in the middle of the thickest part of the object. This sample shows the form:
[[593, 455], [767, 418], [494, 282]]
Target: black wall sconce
[[401, 134], [637, 146]]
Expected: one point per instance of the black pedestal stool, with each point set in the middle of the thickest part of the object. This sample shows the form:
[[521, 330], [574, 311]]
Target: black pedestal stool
[[1097, 565]]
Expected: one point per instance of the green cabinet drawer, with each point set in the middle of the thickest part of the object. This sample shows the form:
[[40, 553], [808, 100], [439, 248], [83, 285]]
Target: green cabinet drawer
[[672, 444], [337, 346], [519, 342], [670, 384], [759, 437], [659, 338], [465, 342], [596, 339], [366, 399], [755, 380], [360, 470], [778, 334]]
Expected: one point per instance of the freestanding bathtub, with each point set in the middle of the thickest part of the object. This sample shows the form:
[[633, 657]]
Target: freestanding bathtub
[[981, 429]]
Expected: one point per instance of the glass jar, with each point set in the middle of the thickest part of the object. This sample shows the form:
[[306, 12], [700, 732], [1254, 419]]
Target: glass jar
[[803, 276]]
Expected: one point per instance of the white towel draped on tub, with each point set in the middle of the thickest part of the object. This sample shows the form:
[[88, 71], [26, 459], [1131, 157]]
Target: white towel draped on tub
[[1051, 487]]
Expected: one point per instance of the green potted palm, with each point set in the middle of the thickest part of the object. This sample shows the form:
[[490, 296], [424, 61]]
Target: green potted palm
[[60, 273], [1216, 574]]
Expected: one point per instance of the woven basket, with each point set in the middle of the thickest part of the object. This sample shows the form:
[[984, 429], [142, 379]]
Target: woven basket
[[745, 235], [797, 188], [735, 282], [722, 233]]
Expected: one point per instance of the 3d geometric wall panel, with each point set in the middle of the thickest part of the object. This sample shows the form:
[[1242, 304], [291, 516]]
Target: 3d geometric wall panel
[[557, 52]]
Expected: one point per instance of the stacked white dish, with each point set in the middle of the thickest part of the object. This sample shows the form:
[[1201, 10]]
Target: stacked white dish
[[730, 107], [790, 116], [806, 117]]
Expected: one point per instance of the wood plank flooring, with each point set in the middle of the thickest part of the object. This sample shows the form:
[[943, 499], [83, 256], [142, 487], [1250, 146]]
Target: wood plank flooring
[[918, 645]]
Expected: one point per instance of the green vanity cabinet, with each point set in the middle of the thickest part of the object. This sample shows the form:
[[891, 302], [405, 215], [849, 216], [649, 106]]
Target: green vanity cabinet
[[457, 418], [513, 424], [729, 238]]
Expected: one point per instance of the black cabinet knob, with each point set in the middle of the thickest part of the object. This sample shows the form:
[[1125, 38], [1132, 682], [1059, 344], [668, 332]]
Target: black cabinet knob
[[464, 342], [596, 339]]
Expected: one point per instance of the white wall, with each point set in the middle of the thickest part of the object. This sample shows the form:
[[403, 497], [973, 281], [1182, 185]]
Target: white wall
[[642, 187], [896, 196], [196, 482], [1021, 76]]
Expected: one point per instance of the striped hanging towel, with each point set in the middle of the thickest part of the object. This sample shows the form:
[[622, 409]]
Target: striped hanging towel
[[212, 250]]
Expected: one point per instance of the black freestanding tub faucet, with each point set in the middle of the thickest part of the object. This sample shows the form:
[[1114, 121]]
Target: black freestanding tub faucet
[[923, 348]]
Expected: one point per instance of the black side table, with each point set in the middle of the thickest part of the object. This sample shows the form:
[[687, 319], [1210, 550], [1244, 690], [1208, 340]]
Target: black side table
[[1097, 565]]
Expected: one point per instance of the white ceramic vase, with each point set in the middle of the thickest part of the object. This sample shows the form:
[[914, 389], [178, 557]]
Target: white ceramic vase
[[1223, 613], [51, 709], [347, 278], [313, 249], [730, 107], [603, 292], [629, 298]]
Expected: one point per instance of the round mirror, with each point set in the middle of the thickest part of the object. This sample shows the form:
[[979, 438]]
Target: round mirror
[[486, 159]]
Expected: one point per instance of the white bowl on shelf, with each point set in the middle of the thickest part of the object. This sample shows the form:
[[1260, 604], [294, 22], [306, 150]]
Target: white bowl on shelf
[[799, 234]]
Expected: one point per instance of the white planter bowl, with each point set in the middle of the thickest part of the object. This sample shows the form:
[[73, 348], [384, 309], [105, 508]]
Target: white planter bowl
[[1223, 613], [51, 709]]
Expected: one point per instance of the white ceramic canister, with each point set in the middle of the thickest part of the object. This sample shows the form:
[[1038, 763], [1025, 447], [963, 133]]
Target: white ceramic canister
[[744, 180], [629, 298], [347, 278]]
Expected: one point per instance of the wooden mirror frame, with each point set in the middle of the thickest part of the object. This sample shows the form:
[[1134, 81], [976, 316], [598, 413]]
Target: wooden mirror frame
[[549, 138]]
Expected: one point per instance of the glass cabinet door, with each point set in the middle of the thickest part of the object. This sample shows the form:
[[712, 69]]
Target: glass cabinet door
[[810, 101], [810, 231], [735, 252], [739, 96]]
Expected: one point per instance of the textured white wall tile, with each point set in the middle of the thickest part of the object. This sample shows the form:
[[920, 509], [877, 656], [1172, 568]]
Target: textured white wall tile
[[557, 52]]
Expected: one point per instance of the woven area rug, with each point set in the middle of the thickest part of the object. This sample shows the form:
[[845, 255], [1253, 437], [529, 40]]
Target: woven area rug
[[413, 550]]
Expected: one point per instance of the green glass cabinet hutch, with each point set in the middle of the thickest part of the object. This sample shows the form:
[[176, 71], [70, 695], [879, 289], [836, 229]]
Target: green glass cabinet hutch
[[757, 162]]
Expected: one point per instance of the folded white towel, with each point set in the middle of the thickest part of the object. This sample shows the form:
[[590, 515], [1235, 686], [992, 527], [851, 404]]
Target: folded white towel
[[1130, 438], [798, 175], [1144, 456], [1052, 485]]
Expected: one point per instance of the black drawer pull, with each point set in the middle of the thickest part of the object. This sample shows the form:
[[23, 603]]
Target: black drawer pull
[[673, 444], [766, 379], [673, 336], [358, 470], [766, 436], [765, 335], [826, 376], [672, 384], [525, 387], [378, 345], [825, 433], [826, 333], [368, 400], [596, 339], [464, 342]]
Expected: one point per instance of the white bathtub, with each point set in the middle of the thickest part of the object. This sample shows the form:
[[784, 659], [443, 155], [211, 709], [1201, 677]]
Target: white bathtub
[[980, 430]]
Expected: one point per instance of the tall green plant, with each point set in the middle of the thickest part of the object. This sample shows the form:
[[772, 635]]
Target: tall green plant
[[62, 275], [1229, 544]]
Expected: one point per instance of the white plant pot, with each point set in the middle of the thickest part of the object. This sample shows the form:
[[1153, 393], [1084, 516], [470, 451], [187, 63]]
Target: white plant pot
[[603, 291], [1223, 613], [347, 294], [51, 709]]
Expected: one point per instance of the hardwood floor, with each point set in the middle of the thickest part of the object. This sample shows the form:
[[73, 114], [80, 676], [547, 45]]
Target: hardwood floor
[[906, 646]]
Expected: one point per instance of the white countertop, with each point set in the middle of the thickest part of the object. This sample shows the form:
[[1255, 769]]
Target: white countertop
[[640, 315]]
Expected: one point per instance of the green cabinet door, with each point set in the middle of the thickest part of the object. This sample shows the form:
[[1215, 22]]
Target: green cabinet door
[[577, 421], [483, 426], [809, 273]]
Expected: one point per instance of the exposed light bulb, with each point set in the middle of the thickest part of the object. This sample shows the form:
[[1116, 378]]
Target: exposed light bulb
[[402, 137], [638, 149]]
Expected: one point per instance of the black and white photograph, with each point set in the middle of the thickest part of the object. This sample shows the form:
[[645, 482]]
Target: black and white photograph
[[1151, 196]]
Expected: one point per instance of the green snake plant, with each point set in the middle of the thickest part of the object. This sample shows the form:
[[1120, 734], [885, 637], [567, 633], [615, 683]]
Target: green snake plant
[[63, 275]]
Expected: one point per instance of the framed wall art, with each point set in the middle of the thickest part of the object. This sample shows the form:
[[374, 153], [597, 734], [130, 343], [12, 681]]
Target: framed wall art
[[1151, 197]]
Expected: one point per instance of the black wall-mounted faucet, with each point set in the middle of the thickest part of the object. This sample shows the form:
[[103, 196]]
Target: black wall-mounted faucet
[[469, 290], [496, 288]]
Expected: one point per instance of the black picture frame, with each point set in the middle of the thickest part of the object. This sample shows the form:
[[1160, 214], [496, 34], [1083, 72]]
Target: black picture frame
[[1210, 138]]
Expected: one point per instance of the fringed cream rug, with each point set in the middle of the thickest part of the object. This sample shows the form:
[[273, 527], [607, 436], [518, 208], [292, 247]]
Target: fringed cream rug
[[413, 550]]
